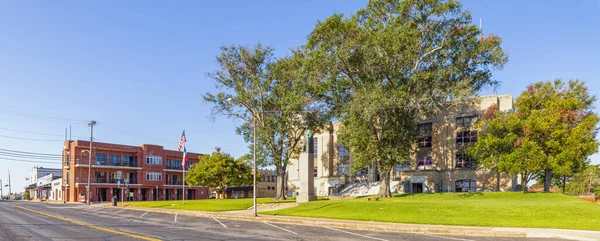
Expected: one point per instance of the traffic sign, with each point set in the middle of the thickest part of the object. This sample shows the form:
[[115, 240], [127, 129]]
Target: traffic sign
[[119, 175]]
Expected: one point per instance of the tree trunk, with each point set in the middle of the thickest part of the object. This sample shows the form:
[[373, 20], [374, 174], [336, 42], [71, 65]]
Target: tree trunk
[[564, 184], [547, 180], [281, 184], [497, 180], [384, 188], [524, 182]]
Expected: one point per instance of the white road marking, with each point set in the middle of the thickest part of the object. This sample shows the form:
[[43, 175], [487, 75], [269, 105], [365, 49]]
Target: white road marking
[[144, 214], [289, 231], [435, 236], [119, 211], [357, 234], [220, 222], [175, 218]]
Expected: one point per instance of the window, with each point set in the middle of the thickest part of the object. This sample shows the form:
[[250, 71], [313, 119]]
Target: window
[[463, 161], [466, 185], [424, 163], [404, 166], [100, 159], [424, 138], [154, 176], [316, 146], [100, 177], [343, 154], [127, 160], [115, 160], [424, 141], [168, 164], [343, 169], [425, 128], [466, 137], [154, 160], [466, 121]]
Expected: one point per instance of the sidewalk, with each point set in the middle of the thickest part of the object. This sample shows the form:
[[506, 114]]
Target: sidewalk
[[247, 215]]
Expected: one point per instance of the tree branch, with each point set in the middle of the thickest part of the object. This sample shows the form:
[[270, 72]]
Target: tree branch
[[425, 55]]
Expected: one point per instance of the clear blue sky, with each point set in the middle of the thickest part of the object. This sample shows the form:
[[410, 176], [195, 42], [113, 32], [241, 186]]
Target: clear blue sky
[[140, 66]]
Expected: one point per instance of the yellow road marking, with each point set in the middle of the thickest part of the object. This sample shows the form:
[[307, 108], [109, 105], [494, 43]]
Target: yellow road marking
[[91, 225]]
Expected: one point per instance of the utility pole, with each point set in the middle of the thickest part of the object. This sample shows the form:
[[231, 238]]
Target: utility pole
[[9, 186], [1, 191], [88, 195]]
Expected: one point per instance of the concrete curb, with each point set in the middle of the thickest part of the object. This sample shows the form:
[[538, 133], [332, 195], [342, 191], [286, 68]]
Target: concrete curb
[[352, 224]]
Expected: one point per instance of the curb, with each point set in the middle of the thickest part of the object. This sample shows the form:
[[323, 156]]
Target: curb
[[354, 225]]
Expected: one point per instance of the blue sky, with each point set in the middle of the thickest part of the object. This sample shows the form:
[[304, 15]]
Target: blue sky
[[140, 66]]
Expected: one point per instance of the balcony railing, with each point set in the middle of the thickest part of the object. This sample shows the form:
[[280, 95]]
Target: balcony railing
[[111, 180], [108, 164], [178, 182]]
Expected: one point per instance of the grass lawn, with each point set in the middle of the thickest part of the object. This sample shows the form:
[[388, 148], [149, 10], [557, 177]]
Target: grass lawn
[[540, 210], [214, 205]]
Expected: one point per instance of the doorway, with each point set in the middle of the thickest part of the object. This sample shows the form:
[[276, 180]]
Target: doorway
[[417, 188], [102, 193], [145, 194]]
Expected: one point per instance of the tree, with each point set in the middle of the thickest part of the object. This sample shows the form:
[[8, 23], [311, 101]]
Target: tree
[[393, 63], [558, 116], [276, 94], [585, 182], [220, 170], [553, 129], [494, 140]]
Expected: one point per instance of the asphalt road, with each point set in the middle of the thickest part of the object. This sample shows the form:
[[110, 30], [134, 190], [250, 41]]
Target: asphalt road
[[41, 221]]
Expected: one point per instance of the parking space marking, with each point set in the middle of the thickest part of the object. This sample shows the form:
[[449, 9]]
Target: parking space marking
[[435, 236], [119, 211], [289, 231], [357, 234], [144, 213], [220, 222], [175, 218]]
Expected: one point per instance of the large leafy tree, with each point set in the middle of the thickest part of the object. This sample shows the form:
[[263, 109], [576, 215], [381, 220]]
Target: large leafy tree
[[220, 170], [558, 116], [552, 130], [392, 63], [274, 93]]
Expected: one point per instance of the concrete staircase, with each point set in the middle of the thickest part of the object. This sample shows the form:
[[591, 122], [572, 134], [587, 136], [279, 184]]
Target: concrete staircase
[[364, 188]]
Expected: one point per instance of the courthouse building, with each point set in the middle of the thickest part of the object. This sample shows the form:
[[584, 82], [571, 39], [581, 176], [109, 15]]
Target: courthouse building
[[440, 163]]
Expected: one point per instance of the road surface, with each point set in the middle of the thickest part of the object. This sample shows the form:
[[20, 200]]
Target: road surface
[[43, 221]]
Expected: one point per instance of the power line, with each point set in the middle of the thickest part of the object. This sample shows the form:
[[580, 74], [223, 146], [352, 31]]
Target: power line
[[29, 157], [30, 132], [39, 117], [30, 161], [33, 153], [28, 139]]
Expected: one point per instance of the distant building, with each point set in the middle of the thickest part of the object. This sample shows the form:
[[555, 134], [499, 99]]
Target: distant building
[[141, 173], [440, 163], [35, 174], [265, 187]]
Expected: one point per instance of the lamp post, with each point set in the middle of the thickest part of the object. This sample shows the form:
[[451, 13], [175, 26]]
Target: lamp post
[[232, 101]]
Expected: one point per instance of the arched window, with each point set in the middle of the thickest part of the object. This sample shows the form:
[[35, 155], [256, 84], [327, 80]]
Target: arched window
[[466, 185]]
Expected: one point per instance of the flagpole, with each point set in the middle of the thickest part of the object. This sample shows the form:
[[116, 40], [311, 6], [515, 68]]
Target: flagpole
[[183, 181]]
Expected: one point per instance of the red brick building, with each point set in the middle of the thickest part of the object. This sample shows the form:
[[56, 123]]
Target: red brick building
[[139, 173]]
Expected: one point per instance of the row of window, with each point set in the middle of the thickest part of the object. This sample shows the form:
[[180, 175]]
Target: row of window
[[268, 178], [154, 176], [154, 160], [115, 160], [426, 163], [176, 164]]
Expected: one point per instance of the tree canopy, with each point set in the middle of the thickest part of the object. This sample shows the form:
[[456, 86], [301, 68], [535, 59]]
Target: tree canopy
[[220, 170], [274, 93], [392, 63]]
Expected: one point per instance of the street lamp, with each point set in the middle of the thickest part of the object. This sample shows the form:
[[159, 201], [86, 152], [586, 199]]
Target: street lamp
[[232, 102]]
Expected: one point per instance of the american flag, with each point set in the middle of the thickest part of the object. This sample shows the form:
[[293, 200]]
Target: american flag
[[185, 157], [181, 141]]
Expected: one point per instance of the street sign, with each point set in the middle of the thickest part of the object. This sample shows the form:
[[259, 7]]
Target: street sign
[[118, 182], [119, 175], [126, 183]]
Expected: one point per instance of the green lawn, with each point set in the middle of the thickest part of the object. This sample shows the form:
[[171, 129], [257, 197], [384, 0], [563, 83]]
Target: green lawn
[[214, 205], [540, 210]]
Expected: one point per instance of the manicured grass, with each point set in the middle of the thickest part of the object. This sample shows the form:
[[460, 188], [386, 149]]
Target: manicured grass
[[540, 210], [214, 205]]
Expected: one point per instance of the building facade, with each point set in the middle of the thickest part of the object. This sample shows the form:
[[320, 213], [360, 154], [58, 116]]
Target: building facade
[[265, 187], [131, 173], [37, 173], [439, 164]]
